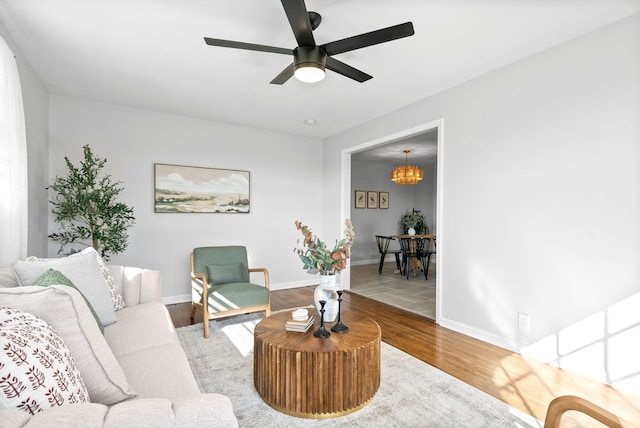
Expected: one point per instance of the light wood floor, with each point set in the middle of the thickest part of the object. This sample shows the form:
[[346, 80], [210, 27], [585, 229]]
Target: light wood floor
[[414, 294], [520, 382]]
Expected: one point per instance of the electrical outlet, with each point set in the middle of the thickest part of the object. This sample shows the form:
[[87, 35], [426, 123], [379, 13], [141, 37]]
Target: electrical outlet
[[524, 321]]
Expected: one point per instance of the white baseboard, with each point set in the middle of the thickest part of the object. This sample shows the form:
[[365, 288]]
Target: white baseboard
[[172, 300], [288, 285], [478, 334], [367, 262]]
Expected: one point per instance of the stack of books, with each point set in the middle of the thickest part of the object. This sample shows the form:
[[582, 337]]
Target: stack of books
[[300, 321], [300, 326]]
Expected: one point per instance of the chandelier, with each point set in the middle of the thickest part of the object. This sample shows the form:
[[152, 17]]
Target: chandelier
[[406, 174]]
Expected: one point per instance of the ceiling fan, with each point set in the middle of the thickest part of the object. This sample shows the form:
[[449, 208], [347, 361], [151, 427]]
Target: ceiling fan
[[309, 59]]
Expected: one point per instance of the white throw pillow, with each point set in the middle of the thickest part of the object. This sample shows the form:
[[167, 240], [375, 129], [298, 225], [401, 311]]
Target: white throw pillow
[[64, 309], [37, 370], [82, 269]]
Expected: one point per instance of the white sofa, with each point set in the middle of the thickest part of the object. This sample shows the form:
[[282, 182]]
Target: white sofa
[[153, 378]]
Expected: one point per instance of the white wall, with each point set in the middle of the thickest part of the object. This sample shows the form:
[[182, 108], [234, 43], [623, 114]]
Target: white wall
[[35, 98], [541, 202], [286, 185]]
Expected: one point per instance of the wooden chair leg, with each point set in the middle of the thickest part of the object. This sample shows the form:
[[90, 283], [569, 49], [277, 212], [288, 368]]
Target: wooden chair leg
[[407, 267], [205, 322], [382, 256], [193, 313], [426, 269]]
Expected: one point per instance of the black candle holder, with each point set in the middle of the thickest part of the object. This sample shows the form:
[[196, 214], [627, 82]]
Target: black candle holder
[[322, 332], [339, 327]]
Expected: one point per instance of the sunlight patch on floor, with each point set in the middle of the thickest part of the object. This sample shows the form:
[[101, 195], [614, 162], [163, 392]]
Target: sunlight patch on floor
[[241, 335]]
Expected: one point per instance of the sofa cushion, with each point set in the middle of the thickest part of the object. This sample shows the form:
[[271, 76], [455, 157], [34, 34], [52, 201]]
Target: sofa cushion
[[71, 416], [146, 412], [160, 371], [83, 271], [137, 285], [65, 310], [192, 411], [140, 327], [52, 276], [37, 370]]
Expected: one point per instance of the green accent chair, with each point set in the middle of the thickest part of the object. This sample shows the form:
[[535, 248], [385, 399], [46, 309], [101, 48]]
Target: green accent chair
[[221, 287]]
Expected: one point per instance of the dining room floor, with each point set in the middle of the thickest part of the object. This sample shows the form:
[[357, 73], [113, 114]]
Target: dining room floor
[[415, 294]]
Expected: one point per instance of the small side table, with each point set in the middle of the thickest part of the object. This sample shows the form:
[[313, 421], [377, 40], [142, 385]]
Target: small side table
[[304, 376]]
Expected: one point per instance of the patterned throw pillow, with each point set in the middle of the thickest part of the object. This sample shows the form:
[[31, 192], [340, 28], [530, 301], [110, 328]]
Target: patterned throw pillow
[[116, 294], [37, 370]]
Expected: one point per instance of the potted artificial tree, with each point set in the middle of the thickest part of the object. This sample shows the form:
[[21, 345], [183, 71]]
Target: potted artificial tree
[[85, 206], [412, 222]]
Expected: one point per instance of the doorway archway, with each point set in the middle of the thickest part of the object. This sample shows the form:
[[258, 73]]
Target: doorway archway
[[347, 191]]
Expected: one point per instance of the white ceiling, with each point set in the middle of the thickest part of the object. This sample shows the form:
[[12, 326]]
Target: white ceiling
[[423, 151], [150, 54]]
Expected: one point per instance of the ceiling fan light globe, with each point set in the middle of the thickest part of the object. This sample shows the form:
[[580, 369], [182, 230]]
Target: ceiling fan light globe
[[309, 73]]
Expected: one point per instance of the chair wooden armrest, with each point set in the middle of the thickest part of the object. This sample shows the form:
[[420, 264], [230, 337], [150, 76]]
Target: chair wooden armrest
[[266, 275], [202, 277], [562, 404]]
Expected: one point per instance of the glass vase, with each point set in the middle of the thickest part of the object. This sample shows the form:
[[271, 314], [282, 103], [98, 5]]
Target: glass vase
[[327, 290]]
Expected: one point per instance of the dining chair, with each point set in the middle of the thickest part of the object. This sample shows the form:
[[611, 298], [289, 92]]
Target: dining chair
[[413, 248], [383, 247], [431, 250]]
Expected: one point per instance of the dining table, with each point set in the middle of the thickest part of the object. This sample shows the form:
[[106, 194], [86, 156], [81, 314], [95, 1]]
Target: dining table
[[427, 236], [415, 263]]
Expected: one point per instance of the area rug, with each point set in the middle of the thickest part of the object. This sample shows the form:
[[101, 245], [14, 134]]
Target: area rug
[[412, 393]]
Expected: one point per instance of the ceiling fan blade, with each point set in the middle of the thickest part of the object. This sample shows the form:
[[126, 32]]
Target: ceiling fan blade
[[284, 75], [346, 70], [299, 20], [246, 46], [369, 39]]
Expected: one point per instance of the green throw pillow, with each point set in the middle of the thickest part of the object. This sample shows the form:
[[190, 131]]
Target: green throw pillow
[[54, 277], [224, 274]]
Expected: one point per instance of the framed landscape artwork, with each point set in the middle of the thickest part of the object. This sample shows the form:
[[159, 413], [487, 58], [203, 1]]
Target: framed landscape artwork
[[361, 199], [190, 189], [383, 200], [372, 199]]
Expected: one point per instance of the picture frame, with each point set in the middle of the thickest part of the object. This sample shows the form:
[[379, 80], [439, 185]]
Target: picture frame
[[193, 189], [383, 200], [372, 199], [360, 199]]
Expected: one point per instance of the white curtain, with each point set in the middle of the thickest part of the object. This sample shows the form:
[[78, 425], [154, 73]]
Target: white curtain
[[13, 161]]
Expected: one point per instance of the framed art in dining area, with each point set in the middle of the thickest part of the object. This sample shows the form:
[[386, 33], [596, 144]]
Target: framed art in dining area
[[360, 199], [191, 189], [372, 199], [383, 200]]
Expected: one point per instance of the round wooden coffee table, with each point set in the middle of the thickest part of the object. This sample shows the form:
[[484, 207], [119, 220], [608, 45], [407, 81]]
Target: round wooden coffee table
[[304, 376]]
